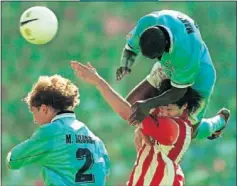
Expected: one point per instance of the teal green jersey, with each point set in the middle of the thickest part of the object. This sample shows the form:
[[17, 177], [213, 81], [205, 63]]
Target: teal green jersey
[[182, 62], [69, 153]]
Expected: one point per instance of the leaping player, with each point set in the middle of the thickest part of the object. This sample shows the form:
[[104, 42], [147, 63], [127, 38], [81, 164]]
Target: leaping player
[[175, 40]]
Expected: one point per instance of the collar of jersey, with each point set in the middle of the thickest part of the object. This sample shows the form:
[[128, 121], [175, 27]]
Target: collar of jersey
[[171, 38], [65, 115]]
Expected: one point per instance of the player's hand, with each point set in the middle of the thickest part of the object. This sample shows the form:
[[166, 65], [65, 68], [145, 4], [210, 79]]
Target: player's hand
[[86, 72], [121, 72], [140, 111]]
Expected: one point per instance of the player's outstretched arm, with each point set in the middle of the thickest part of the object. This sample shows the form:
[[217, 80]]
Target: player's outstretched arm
[[89, 75], [33, 150], [168, 97], [142, 108]]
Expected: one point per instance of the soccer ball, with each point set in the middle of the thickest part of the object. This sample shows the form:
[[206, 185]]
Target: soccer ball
[[38, 25]]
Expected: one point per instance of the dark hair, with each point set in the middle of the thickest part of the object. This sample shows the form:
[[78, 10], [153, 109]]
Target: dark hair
[[52, 98], [153, 42], [191, 97], [55, 91]]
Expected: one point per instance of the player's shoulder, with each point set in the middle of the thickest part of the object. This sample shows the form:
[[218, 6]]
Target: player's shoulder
[[168, 120], [146, 21], [149, 17], [153, 17], [47, 130], [182, 121], [166, 16], [59, 126], [174, 124], [168, 123]]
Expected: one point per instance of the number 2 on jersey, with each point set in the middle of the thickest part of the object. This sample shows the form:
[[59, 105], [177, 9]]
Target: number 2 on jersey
[[81, 177]]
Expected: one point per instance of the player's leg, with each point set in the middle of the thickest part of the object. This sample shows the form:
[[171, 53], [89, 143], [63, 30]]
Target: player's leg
[[149, 87], [142, 91], [208, 127], [205, 128], [217, 123]]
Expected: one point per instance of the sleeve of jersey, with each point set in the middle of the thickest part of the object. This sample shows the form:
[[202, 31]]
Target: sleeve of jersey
[[33, 150], [134, 35], [166, 131], [185, 68], [106, 158]]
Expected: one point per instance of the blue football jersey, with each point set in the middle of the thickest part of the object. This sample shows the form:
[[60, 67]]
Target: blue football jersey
[[69, 153], [187, 62]]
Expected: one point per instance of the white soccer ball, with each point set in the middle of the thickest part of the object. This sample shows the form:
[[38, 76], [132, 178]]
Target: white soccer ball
[[38, 25]]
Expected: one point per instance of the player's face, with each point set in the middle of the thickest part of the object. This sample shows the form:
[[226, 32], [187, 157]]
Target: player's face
[[172, 110], [42, 114]]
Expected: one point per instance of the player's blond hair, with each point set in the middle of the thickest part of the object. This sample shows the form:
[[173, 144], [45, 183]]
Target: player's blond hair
[[55, 91]]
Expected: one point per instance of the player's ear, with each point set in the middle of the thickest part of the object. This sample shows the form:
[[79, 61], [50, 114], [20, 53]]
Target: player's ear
[[44, 108]]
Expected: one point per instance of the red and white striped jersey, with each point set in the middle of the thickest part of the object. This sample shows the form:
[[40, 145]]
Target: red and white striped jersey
[[158, 165]]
